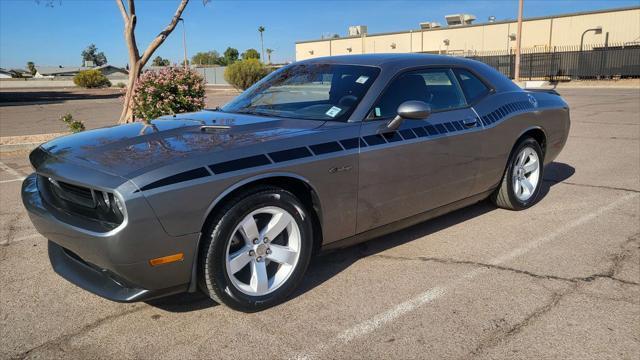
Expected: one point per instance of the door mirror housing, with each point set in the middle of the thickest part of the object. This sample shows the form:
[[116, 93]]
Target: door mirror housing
[[412, 109]]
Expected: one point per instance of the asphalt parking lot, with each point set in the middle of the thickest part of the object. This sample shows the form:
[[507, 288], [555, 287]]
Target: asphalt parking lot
[[37, 111], [560, 280]]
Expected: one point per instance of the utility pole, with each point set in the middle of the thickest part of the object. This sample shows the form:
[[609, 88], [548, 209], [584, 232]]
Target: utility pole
[[518, 40], [184, 43]]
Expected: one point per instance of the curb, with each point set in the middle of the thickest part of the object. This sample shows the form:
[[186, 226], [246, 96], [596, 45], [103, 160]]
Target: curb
[[580, 84], [25, 143], [24, 147]]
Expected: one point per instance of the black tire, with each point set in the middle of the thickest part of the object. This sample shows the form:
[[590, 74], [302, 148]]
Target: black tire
[[212, 271], [504, 196]]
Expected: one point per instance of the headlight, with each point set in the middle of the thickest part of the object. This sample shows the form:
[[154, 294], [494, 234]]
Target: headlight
[[110, 204], [105, 197], [119, 205]]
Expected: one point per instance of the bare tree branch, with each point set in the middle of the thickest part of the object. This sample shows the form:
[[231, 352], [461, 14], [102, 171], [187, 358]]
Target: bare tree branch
[[123, 11], [163, 34], [132, 7], [132, 37]]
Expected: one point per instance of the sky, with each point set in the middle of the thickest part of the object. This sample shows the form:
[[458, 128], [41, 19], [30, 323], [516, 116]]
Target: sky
[[51, 36]]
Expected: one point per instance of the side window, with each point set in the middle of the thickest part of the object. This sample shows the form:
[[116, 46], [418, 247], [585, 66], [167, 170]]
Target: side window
[[473, 88], [436, 87]]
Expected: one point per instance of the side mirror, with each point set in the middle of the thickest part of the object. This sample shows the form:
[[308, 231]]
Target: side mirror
[[412, 109]]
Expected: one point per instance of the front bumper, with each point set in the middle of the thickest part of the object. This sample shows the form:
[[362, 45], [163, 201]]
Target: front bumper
[[113, 264], [101, 282]]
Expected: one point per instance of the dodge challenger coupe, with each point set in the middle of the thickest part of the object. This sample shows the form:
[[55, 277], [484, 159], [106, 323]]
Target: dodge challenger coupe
[[320, 154]]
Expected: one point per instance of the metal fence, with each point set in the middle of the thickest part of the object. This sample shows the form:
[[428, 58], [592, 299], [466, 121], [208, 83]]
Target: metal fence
[[212, 75], [609, 61]]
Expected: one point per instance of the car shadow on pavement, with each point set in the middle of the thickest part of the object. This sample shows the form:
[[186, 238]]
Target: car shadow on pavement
[[327, 265], [184, 302]]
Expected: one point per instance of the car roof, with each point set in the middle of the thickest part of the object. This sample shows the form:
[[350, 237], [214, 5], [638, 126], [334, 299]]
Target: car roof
[[381, 60], [399, 62]]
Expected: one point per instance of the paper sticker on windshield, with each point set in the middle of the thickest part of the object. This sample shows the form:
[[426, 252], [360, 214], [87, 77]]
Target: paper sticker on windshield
[[333, 111], [362, 79]]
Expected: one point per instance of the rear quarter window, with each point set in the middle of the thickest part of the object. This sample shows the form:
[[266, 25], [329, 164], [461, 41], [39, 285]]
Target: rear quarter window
[[474, 89]]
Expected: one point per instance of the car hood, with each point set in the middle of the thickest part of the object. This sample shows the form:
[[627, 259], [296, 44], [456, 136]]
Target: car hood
[[129, 149]]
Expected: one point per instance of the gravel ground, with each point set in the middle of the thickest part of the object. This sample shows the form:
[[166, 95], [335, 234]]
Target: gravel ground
[[558, 281]]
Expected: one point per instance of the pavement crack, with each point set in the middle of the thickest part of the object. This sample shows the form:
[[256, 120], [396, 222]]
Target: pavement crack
[[609, 274], [606, 123], [616, 263], [556, 181], [11, 230], [477, 264], [606, 276], [61, 340], [500, 335], [608, 298]]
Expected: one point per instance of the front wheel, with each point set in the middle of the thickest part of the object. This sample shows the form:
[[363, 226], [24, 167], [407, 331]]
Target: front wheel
[[258, 251], [522, 180]]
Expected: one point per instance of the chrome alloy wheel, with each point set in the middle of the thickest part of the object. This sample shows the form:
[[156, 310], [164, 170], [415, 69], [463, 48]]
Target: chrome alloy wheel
[[526, 173], [263, 251]]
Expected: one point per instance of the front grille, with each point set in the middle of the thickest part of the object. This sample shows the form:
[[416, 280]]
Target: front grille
[[81, 202], [77, 194]]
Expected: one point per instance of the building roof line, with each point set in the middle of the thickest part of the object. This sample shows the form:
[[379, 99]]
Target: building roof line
[[497, 22]]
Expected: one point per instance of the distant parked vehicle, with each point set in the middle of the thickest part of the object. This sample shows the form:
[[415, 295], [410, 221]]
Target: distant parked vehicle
[[318, 155]]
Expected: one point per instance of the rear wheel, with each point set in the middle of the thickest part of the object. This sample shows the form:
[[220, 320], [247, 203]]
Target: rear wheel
[[258, 250], [522, 180]]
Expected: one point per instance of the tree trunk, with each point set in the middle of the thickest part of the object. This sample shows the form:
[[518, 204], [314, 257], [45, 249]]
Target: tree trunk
[[137, 61], [261, 46], [127, 110]]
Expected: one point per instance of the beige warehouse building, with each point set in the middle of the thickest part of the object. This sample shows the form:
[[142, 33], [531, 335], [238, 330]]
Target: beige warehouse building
[[461, 36]]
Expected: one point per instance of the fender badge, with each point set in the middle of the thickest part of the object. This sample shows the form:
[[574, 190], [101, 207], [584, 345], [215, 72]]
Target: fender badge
[[334, 170]]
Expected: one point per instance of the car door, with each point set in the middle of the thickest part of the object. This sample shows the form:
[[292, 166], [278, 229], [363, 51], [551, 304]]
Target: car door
[[424, 164], [477, 92]]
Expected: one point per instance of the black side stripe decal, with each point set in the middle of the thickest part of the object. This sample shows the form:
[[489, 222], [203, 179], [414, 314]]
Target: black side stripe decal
[[392, 136], [376, 139], [337, 146], [177, 178], [326, 148], [504, 110], [239, 164], [290, 154], [407, 134], [349, 144]]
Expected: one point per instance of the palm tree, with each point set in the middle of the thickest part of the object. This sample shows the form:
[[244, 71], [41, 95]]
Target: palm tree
[[261, 30], [269, 52]]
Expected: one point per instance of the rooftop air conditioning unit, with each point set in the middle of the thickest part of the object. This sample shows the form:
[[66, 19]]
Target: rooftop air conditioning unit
[[429, 25], [357, 30], [459, 19]]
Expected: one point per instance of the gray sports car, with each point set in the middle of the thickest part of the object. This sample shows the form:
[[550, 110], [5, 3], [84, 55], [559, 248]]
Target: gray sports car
[[320, 154]]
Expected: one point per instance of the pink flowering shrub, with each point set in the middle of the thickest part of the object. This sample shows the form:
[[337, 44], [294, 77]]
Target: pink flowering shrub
[[171, 90]]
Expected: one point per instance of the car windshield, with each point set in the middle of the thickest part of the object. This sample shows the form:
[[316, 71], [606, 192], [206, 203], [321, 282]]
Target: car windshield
[[307, 91]]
